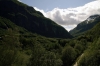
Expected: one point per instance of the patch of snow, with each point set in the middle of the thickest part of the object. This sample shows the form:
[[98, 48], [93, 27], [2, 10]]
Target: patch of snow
[[90, 19]]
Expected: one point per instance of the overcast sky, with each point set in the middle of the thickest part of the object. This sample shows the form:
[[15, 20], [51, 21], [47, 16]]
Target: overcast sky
[[67, 13]]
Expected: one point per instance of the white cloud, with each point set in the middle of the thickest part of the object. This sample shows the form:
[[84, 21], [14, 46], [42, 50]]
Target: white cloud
[[70, 17], [42, 11], [69, 27], [19, 0]]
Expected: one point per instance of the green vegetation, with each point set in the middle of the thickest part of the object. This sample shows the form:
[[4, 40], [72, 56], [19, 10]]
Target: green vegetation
[[68, 56], [91, 55], [86, 25], [23, 41], [30, 19], [18, 47]]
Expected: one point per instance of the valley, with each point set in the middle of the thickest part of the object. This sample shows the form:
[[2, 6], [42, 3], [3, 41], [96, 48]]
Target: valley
[[27, 38]]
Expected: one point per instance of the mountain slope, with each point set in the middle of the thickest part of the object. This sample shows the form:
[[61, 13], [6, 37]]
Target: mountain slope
[[19, 47], [85, 25], [32, 20], [91, 56], [94, 32]]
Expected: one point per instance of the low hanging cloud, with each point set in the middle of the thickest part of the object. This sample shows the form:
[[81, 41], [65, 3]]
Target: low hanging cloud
[[70, 17]]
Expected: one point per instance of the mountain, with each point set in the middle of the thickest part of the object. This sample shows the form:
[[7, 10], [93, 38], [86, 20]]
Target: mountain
[[19, 47], [27, 17], [91, 55], [85, 25], [94, 33]]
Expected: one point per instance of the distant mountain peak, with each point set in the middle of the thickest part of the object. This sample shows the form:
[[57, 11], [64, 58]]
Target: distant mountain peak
[[86, 25], [92, 18]]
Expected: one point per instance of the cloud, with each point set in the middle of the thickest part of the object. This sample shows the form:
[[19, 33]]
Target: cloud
[[70, 17], [42, 11], [69, 27], [19, 0]]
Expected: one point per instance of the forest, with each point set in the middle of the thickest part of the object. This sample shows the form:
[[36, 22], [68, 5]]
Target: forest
[[23, 43]]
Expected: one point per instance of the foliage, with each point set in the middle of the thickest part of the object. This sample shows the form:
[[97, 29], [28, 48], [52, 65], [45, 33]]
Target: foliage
[[68, 56], [21, 43], [30, 19], [86, 25], [91, 56], [18, 47]]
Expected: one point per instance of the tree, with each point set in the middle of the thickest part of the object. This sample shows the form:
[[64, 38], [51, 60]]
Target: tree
[[68, 56]]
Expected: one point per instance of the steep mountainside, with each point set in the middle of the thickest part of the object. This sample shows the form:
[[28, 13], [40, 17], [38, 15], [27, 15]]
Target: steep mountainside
[[19, 47], [30, 19], [91, 55], [85, 25], [22, 45]]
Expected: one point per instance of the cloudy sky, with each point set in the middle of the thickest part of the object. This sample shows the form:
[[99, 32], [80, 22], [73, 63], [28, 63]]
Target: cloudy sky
[[67, 13]]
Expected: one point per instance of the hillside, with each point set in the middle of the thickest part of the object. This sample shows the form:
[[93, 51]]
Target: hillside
[[85, 25], [91, 55], [21, 44], [30, 19], [23, 41], [19, 47]]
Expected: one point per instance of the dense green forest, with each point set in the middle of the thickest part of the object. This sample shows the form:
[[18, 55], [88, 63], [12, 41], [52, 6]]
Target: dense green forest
[[22, 46]]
